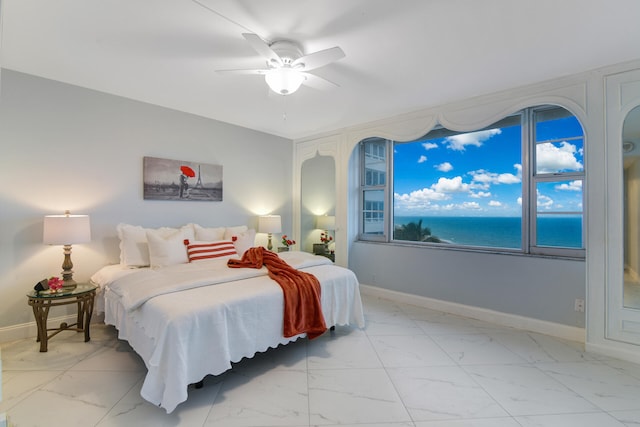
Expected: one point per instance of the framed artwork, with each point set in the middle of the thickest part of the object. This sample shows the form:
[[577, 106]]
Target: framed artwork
[[166, 179]]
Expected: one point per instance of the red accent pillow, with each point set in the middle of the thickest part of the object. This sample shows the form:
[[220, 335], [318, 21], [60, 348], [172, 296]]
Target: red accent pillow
[[197, 251]]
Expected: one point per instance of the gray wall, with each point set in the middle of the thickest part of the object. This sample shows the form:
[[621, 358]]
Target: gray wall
[[541, 290], [535, 287], [65, 147]]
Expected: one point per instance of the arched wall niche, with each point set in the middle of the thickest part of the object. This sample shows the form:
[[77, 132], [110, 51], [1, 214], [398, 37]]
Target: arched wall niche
[[631, 208], [314, 188], [318, 197]]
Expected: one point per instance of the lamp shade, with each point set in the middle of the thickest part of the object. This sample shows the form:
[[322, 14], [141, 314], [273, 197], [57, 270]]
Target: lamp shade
[[66, 229], [269, 224], [284, 81], [326, 222]]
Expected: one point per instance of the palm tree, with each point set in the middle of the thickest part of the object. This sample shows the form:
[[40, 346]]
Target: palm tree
[[414, 232]]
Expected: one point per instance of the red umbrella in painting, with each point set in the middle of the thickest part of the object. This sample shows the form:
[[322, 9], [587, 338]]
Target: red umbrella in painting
[[188, 171]]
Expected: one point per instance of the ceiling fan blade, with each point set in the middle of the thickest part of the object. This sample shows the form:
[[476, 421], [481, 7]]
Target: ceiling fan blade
[[255, 72], [263, 48], [316, 82], [318, 59]]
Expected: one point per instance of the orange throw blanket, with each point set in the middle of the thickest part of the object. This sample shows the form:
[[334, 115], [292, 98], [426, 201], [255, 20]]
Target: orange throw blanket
[[302, 306]]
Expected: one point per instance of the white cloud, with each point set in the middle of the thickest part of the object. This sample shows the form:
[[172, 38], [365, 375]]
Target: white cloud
[[572, 186], [429, 145], [422, 159], [519, 201], [518, 168], [479, 185], [418, 200], [452, 206], [460, 142], [508, 178], [494, 203], [551, 158], [444, 167], [480, 194], [424, 195], [484, 178], [470, 206], [453, 185], [544, 202]]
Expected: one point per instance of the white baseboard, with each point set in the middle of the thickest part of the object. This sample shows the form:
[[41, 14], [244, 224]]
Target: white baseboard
[[615, 350], [571, 333], [29, 330]]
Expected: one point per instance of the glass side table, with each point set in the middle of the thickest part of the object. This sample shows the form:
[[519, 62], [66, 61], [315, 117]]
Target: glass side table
[[84, 295]]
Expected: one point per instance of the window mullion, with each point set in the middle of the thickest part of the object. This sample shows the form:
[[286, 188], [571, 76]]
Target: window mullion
[[388, 208], [563, 176], [528, 225]]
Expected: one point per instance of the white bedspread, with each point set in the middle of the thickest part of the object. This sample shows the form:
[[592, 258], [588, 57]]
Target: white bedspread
[[137, 288], [198, 329]]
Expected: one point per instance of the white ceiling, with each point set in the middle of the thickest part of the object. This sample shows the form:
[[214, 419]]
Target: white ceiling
[[401, 55]]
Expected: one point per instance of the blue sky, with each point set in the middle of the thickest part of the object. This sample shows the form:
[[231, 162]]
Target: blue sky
[[480, 173]]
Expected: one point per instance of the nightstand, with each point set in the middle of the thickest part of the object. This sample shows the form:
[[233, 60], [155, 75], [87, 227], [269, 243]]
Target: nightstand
[[323, 250], [83, 295]]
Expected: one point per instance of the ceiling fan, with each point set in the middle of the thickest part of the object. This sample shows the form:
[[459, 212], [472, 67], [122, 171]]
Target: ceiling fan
[[287, 67]]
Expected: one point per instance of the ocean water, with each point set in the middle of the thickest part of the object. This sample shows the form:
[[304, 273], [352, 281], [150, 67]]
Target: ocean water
[[501, 232]]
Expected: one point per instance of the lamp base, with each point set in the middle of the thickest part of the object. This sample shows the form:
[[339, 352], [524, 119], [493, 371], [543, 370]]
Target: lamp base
[[67, 272], [69, 284]]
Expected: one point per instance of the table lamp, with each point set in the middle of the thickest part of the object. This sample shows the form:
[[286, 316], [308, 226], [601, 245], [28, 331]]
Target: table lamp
[[326, 223], [269, 224], [66, 230]]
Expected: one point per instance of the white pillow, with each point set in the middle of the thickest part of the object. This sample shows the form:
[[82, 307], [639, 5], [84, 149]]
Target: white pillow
[[134, 249], [197, 251], [188, 231], [229, 232], [166, 250], [208, 234], [244, 241]]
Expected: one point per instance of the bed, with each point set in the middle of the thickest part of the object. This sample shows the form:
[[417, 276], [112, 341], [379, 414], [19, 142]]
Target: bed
[[189, 320]]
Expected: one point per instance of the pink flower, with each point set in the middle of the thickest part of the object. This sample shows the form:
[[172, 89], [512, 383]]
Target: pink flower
[[55, 283], [287, 242], [325, 238]]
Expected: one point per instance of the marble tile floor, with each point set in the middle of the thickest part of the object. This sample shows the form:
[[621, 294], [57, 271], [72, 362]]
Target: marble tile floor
[[410, 367]]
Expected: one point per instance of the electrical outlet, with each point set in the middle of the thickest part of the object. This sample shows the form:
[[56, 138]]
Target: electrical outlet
[[578, 305]]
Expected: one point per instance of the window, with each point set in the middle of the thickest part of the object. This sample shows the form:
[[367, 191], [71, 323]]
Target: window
[[515, 185], [374, 188], [557, 181]]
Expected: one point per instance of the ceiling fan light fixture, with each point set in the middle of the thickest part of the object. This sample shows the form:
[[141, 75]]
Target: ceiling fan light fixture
[[284, 81]]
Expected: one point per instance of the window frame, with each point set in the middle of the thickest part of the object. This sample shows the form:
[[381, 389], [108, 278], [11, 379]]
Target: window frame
[[535, 178], [530, 181], [386, 211]]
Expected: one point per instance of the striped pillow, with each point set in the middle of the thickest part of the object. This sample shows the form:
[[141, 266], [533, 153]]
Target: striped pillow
[[197, 251]]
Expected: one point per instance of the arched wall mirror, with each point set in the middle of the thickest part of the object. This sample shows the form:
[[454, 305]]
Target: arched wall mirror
[[623, 207], [631, 209], [317, 198]]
